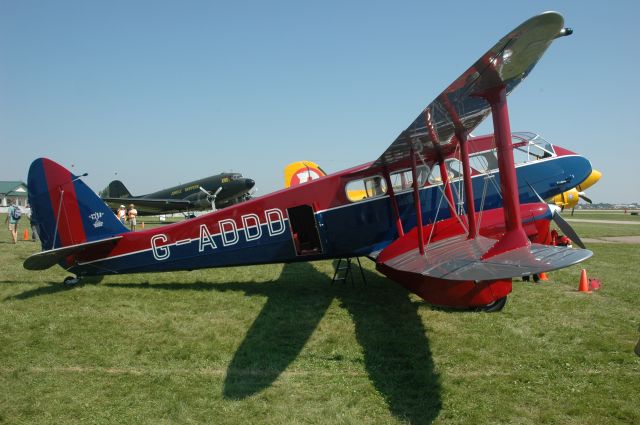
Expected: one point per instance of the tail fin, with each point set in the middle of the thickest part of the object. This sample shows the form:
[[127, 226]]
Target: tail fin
[[64, 209], [301, 172], [116, 189]]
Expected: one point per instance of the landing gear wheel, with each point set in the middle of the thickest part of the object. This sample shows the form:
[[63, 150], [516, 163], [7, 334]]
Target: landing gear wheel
[[71, 281], [495, 306]]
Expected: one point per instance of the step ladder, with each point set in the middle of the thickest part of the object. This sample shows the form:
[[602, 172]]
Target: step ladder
[[343, 271]]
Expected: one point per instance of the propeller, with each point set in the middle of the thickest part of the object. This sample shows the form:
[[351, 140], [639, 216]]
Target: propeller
[[584, 198], [565, 227], [561, 222], [211, 197]]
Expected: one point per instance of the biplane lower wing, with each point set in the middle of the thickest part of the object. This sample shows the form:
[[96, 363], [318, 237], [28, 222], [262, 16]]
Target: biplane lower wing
[[460, 258]]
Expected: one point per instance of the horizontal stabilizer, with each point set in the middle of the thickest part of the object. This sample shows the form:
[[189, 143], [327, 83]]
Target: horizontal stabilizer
[[459, 258], [45, 259]]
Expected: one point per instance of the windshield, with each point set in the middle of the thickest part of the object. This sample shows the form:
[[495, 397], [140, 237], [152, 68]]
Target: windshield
[[529, 147]]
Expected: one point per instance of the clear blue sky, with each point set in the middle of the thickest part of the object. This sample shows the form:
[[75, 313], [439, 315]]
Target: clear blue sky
[[157, 93]]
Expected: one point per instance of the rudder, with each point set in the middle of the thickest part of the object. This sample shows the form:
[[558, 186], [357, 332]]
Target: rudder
[[116, 189], [301, 172], [65, 210]]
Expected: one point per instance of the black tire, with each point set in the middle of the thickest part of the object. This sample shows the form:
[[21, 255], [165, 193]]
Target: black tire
[[495, 306]]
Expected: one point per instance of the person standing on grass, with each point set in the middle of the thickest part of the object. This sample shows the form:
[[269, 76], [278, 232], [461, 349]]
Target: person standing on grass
[[13, 216], [122, 214], [34, 226], [132, 214]]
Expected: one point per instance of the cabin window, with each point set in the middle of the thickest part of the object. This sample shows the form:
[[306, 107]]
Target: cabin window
[[370, 187], [403, 179], [454, 171], [484, 161], [454, 167]]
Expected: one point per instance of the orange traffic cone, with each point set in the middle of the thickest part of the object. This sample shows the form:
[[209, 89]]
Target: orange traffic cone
[[543, 276], [584, 282], [25, 235]]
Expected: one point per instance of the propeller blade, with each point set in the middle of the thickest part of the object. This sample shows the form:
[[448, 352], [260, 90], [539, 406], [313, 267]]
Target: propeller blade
[[212, 198], [584, 197], [568, 230], [560, 222], [204, 190]]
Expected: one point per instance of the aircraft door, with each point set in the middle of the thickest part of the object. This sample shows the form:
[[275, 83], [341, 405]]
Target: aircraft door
[[304, 230]]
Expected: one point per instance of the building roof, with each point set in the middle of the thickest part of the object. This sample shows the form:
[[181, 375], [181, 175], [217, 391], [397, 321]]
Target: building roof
[[13, 188]]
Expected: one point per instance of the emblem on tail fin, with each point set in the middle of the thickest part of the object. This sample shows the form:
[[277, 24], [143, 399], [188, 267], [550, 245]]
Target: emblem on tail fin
[[96, 219]]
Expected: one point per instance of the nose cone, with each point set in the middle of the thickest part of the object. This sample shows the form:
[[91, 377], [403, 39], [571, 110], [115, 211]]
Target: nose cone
[[591, 180], [249, 183]]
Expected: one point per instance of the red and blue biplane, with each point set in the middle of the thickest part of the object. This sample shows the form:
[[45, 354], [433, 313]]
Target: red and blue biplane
[[434, 220]]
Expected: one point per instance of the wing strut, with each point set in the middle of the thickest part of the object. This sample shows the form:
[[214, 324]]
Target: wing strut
[[416, 201], [394, 202], [515, 236], [443, 169], [461, 135]]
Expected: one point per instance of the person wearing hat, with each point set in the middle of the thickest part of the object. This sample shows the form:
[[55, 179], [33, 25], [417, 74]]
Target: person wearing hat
[[122, 214], [132, 214]]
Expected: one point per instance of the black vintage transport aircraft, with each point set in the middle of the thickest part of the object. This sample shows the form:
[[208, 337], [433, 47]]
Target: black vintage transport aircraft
[[218, 191]]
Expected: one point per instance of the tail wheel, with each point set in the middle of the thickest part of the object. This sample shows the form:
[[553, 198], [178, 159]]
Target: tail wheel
[[71, 281]]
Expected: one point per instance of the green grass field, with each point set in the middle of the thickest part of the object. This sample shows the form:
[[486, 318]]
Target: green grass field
[[279, 344], [601, 215]]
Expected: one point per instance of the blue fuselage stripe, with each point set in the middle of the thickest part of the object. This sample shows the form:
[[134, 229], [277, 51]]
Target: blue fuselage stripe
[[355, 229]]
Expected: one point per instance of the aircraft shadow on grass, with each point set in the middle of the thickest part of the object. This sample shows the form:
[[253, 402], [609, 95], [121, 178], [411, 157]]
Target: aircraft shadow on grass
[[387, 325], [52, 288], [396, 349]]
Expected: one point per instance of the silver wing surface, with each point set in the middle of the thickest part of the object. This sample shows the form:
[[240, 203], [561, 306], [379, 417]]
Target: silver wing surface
[[504, 65]]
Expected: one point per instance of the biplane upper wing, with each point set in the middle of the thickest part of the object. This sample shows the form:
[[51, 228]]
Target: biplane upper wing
[[505, 65]]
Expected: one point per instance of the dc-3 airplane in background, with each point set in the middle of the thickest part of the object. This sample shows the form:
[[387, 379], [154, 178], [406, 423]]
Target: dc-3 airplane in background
[[212, 192], [453, 247]]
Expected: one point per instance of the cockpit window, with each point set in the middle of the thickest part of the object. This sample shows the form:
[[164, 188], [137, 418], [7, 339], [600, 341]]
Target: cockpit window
[[530, 147]]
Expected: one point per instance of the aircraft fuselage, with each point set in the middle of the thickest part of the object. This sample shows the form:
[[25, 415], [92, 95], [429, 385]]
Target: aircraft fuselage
[[316, 220]]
